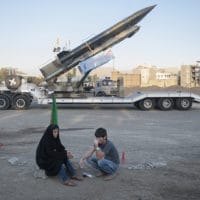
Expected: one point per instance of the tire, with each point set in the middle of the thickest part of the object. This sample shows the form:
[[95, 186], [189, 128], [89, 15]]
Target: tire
[[184, 103], [21, 102], [146, 104], [165, 103], [4, 102]]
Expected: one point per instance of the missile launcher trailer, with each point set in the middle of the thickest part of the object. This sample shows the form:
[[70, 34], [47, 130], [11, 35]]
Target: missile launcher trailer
[[20, 95]]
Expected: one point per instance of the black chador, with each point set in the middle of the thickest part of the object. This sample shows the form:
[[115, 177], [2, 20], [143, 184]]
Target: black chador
[[50, 153]]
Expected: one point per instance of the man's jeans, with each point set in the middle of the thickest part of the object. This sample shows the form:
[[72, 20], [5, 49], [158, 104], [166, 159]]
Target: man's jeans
[[104, 165], [68, 167]]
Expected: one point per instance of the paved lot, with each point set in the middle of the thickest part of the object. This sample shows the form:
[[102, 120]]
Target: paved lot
[[162, 151]]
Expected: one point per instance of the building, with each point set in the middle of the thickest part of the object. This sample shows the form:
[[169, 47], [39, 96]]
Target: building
[[129, 79], [102, 72], [145, 76], [190, 76], [148, 76]]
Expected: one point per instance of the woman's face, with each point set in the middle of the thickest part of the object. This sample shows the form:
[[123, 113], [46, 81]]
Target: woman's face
[[55, 132]]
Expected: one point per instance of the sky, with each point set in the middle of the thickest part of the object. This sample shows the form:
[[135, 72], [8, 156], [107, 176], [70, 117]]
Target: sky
[[169, 36]]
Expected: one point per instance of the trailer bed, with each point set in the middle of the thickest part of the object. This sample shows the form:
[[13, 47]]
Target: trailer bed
[[142, 100]]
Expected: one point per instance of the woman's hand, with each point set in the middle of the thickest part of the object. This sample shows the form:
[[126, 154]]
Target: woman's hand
[[69, 154]]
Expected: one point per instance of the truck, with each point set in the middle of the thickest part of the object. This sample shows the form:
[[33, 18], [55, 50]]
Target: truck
[[105, 87], [18, 94]]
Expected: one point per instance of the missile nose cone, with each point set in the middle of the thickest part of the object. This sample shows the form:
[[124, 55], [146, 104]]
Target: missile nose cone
[[139, 15], [150, 8]]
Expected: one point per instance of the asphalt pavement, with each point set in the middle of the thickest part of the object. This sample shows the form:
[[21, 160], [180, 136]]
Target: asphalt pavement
[[147, 138]]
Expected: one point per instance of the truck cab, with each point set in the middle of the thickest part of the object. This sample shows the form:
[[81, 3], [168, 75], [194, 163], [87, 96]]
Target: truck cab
[[105, 87]]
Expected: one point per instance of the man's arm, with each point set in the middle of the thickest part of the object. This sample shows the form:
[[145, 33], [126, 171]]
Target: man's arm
[[86, 156], [99, 154]]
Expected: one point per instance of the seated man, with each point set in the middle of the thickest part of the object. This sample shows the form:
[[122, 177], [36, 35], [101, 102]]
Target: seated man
[[105, 158]]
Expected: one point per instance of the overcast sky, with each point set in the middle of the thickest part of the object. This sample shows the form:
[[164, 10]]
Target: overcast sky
[[169, 36]]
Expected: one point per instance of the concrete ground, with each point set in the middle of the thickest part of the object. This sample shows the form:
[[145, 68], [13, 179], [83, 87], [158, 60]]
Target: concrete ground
[[162, 151]]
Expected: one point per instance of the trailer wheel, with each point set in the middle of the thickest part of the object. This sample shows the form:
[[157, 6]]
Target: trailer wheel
[[21, 102], [184, 103], [146, 104], [4, 102], [165, 103]]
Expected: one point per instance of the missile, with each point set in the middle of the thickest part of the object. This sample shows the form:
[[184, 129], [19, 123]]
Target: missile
[[67, 60]]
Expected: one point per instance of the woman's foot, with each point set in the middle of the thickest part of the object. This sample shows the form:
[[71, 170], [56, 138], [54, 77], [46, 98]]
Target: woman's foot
[[70, 183], [78, 178]]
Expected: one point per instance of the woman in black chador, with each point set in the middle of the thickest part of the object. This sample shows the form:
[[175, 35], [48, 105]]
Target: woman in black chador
[[52, 156]]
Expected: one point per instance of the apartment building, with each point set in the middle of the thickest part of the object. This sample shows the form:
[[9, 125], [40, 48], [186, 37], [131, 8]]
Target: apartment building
[[190, 75], [149, 76], [144, 76]]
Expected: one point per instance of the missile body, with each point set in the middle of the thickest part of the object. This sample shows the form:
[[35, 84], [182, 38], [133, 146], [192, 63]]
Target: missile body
[[66, 60]]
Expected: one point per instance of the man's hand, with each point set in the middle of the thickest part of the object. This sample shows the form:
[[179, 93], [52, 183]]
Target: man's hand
[[87, 155], [81, 163], [69, 154]]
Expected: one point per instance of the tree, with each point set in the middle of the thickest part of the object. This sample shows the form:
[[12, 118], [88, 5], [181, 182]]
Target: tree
[[4, 72], [36, 80]]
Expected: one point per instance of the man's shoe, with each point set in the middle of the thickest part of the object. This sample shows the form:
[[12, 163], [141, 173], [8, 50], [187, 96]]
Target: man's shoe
[[100, 174], [109, 177]]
